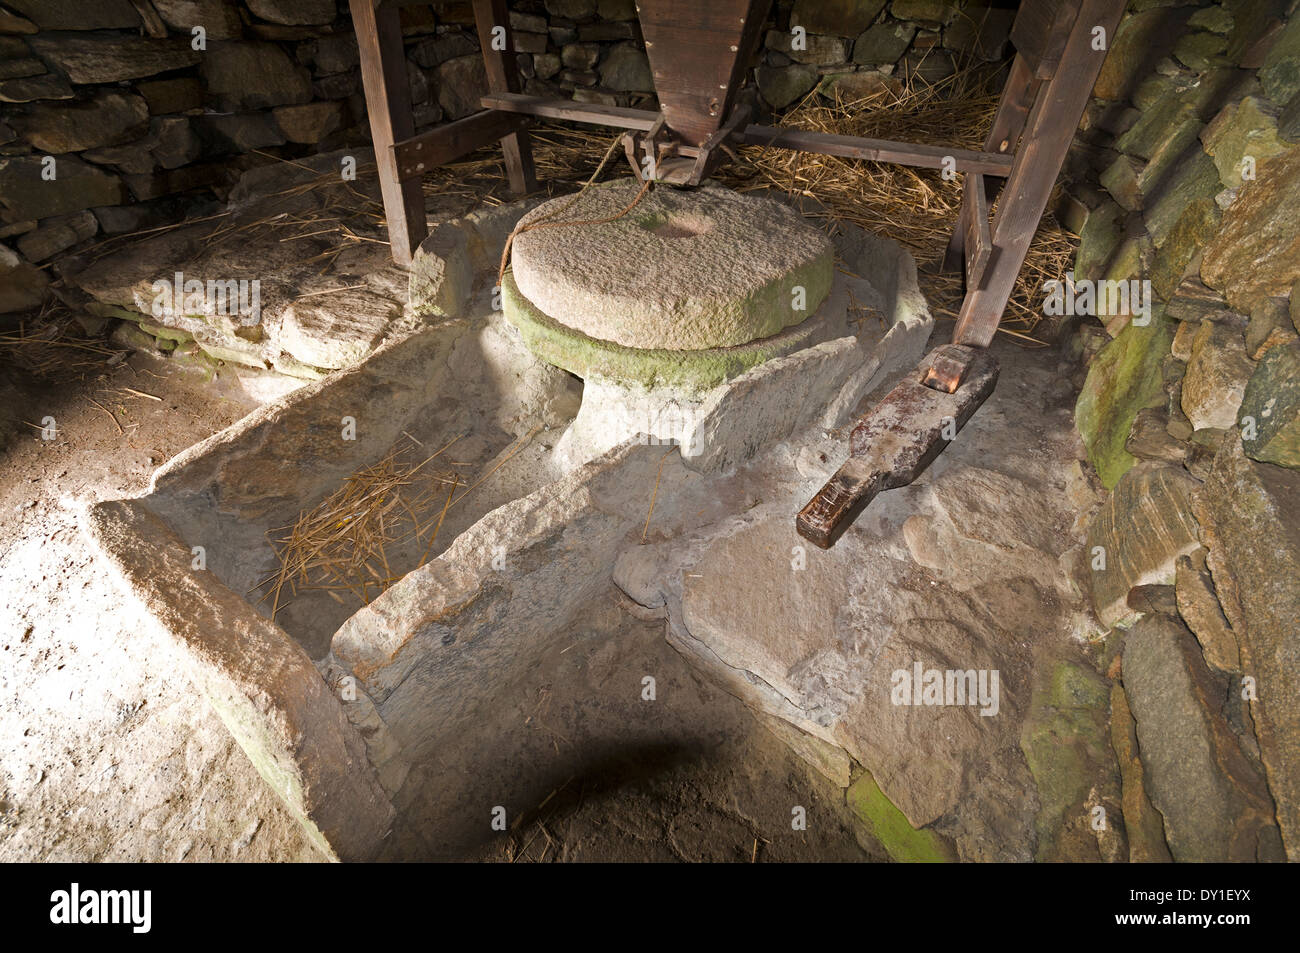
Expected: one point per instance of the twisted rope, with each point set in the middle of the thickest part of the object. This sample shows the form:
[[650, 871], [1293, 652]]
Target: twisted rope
[[545, 222]]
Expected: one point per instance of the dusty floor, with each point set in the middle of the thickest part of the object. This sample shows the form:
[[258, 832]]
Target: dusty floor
[[106, 753]]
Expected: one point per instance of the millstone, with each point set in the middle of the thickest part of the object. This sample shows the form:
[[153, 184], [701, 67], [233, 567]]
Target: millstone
[[686, 270], [688, 372]]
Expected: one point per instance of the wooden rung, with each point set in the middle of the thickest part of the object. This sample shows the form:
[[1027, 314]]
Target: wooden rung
[[853, 147], [975, 222], [618, 116], [419, 154], [878, 150]]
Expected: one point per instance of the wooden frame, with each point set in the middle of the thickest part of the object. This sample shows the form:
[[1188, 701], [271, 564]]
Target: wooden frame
[[1050, 81], [401, 156], [1041, 115]]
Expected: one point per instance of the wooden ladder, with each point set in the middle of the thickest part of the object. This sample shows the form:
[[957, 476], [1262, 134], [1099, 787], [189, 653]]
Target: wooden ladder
[[1056, 66]]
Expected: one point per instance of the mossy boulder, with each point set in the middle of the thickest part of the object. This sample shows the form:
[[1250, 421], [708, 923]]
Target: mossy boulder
[[1280, 73], [1192, 178], [1066, 744], [1256, 253], [1272, 403], [1244, 128], [1098, 241]]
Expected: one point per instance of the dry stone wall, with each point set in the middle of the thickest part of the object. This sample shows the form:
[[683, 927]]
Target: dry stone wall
[[122, 115], [1185, 187]]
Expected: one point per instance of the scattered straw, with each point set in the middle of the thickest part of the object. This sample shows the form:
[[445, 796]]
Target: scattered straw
[[54, 346], [915, 207], [342, 544], [120, 431]]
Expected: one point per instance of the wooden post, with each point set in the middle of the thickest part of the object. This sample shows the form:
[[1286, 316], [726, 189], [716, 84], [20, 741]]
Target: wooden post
[[1009, 121], [388, 101], [1048, 133], [503, 77]]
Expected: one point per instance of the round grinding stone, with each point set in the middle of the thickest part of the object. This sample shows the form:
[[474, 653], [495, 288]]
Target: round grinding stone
[[685, 270], [688, 372]]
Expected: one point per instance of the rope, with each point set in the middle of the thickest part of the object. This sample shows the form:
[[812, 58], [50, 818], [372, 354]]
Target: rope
[[545, 221]]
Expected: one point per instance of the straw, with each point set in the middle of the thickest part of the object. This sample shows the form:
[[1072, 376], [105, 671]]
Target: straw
[[339, 545]]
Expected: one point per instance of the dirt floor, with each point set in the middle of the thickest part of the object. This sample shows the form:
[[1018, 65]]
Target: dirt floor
[[106, 752]]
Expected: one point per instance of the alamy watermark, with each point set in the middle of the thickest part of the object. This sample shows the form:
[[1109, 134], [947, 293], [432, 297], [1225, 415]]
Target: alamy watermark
[[132, 907], [1100, 298], [933, 686]]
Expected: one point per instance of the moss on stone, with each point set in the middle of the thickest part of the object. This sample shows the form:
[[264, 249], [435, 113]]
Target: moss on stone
[[1073, 686], [1272, 401], [101, 310], [1123, 378], [166, 333], [687, 371], [887, 825], [1065, 743]]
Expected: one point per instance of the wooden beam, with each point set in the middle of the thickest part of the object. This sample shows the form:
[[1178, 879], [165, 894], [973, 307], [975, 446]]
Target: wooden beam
[[503, 77], [1013, 108], [898, 438], [877, 150], [591, 113], [1008, 123], [1046, 140], [1040, 32], [442, 144], [977, 239], [853, 147], [388, 101]]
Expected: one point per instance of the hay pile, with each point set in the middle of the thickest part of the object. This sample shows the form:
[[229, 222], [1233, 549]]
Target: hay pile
[[360, 538], [915, 207], [343, 544]]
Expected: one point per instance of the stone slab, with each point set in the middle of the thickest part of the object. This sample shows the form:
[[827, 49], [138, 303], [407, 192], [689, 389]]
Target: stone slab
[[1247, 512], [1142, 529]]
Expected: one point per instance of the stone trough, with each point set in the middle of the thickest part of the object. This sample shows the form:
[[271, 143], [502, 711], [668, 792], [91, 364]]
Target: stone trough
[[367, 718]]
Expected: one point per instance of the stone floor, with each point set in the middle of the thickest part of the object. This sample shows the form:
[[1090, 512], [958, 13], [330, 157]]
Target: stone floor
[[106, 754], [974, 566]]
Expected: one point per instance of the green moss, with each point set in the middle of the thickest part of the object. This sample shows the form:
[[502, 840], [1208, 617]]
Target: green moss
[[101, 310], [1073, 686], [1064, 741], [887, 824], [1123, 378], [687, 371], [1272, 400]]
